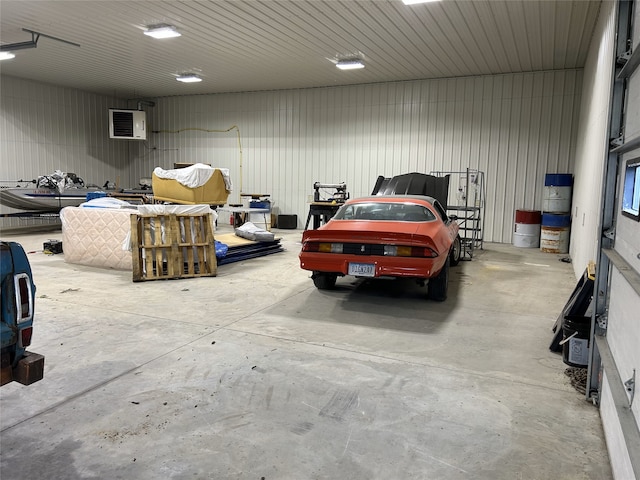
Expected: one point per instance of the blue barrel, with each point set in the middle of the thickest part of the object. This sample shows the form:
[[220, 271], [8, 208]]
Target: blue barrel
[[558, 180], [555, 220], [557, 193], [554, 233]]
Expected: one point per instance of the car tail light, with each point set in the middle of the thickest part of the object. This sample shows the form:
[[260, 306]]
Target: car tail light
[[405, 251], [24, 298], [25, 337], [425, 252], [310, 247], [330, 248], [322, 247], [397, 251]]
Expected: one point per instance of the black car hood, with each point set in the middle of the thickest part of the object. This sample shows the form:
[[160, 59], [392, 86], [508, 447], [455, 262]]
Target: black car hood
[[414, 184]]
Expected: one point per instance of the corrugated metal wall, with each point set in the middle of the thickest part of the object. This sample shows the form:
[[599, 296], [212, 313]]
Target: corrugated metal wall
[[515, 128], [44, 128], [592, 142]]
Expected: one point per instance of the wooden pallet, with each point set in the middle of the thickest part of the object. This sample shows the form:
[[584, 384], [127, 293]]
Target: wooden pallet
[[172, 246]]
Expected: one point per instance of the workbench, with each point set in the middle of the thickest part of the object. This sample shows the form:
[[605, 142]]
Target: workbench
[[321, 212], [241, 215]]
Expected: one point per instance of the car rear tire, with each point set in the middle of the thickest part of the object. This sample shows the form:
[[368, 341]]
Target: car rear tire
[[454, 256], [438, 285], [324, 281]]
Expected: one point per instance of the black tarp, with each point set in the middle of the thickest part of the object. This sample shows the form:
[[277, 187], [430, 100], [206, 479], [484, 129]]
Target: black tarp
[[575, 309], [244, 252], [414, 184]]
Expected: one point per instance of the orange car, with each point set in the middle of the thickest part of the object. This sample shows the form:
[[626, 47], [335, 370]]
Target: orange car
[[385, 236]]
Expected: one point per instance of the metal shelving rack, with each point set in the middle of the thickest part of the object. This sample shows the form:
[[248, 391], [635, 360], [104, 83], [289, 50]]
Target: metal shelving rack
[[467, 201]]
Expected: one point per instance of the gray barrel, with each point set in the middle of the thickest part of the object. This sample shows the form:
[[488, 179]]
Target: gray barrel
[[526, 233], [556, 197]]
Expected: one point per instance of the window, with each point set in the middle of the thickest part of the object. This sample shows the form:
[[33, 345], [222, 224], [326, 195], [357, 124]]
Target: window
[[407, 212], [631, 190], [441, 211]]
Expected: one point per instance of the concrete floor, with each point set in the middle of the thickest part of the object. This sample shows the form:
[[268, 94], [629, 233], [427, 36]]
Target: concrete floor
[[255, 374]]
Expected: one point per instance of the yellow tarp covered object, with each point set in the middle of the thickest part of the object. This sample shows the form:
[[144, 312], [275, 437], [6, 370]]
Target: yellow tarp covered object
[[213, 192]]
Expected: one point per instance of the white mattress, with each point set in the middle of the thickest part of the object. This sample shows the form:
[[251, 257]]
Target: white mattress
[[101, 237], [95, 236]]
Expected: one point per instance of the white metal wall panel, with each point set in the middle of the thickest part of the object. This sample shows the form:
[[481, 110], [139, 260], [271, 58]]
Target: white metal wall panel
[[514, 127], [291, 139], [623, 330], [628, 230], [46, 128], [618, 452], [593, 141]]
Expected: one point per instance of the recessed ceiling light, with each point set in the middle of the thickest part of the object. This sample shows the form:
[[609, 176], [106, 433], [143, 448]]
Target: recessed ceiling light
[[350, 64], [162, 31], [6, 55], [414, 2], [189, 78]]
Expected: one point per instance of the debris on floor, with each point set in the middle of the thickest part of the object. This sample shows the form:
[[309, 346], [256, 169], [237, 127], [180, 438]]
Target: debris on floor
[[578, 377], [52, 247]]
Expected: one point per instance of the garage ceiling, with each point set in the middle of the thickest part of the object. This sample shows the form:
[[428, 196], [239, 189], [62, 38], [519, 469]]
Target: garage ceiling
[[249, 45]]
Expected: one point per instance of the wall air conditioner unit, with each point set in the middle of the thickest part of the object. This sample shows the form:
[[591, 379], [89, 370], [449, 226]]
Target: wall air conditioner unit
[[127, 124]]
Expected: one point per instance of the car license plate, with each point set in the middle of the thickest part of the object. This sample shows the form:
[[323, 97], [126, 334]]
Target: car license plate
[[362, 269]]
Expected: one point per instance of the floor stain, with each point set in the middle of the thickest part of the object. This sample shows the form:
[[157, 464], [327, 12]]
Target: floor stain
[[341, 402], [302, 428], [269, 396]]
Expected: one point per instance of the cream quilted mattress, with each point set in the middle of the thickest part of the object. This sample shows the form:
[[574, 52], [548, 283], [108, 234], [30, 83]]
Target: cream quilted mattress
[[95, 236]]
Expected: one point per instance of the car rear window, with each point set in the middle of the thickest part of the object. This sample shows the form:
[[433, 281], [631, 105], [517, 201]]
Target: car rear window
[[400, 212]]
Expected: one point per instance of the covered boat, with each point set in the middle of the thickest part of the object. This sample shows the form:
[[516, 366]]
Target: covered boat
[[49, 193], [41, 199]]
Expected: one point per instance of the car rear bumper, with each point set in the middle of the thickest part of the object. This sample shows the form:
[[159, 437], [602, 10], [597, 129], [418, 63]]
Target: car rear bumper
[[406, 267], [29, 369]]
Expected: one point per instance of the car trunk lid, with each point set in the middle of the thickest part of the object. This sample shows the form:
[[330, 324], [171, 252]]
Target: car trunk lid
[[367, 232]]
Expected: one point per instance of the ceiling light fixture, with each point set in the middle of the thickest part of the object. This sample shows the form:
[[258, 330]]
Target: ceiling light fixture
[[350, 64], [414, 2], [6, 55], [162, 31], [189, 78]]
